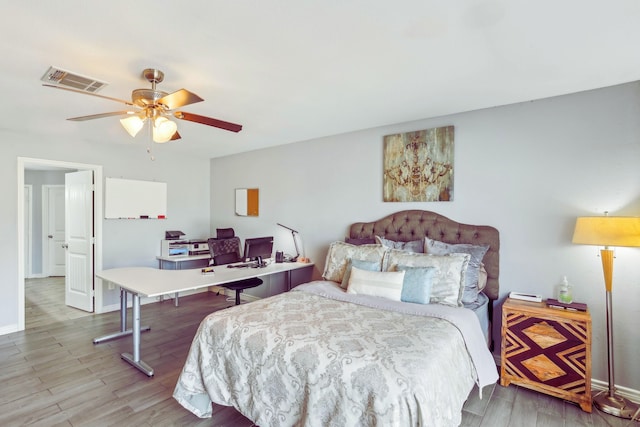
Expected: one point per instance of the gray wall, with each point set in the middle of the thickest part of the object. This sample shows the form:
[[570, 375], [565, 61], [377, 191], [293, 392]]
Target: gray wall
[[37, 179], [528, 169]]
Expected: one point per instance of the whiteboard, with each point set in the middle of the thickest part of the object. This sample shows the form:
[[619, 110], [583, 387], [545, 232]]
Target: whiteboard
[[133, 199]]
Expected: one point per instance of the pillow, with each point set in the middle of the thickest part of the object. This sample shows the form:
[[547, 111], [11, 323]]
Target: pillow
[[386, 284], [416, 246], [482, 278], [340, 253], [416, 286], [225, 233], [470, 292], [360, 241], [363, 265], [449, 277]]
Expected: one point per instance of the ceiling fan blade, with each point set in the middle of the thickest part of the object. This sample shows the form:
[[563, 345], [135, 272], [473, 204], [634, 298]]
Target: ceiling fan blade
[[179, 98], [92, 94], [175, 136], [208, 121], [100, 116]]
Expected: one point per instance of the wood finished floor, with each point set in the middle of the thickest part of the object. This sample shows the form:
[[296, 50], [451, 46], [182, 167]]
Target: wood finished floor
[[52, 375]]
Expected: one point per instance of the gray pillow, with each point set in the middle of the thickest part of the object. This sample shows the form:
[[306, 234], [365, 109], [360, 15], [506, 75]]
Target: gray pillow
[[470, 291], [414, 246]]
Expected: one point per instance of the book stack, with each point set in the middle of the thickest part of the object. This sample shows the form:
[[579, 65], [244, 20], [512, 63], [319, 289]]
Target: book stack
[[525, 297], [574, 306]]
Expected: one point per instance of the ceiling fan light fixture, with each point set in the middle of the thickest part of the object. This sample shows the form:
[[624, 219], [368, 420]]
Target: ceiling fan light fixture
[[132, 125], [163, 129]]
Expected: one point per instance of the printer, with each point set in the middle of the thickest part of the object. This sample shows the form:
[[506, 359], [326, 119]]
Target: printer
[[174, 245], [198, 247]]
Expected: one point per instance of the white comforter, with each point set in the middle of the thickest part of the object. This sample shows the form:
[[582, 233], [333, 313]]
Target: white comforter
[[309, 357]]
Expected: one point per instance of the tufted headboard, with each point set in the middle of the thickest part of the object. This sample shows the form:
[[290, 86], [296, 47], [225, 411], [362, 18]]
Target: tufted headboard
[[409, 225]]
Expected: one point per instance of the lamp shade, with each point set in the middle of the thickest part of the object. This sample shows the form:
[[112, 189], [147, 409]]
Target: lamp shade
[[163, 129], [607, 231], [132, 125]]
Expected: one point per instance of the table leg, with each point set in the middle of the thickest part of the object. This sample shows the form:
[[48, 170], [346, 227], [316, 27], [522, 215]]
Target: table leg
[[134, 359], [123, 332]]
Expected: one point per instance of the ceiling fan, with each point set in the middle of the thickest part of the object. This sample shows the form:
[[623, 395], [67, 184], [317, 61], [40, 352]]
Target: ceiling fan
[[156, 107]]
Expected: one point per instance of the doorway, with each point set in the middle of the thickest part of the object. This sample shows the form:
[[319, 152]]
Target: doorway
[[27, 164]]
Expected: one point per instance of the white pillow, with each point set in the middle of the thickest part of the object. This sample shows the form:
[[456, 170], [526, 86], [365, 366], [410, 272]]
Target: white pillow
[[340, 253], [386, 284], [449, 278]]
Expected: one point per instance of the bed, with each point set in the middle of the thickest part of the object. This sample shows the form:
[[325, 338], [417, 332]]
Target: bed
[[357, 348]]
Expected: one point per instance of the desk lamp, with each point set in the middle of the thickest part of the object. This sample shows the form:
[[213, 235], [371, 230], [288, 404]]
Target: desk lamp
[[295, 242], [610, 231]]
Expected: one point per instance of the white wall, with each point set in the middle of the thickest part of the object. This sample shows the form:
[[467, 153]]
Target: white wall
[[125, 242], [528, 169]]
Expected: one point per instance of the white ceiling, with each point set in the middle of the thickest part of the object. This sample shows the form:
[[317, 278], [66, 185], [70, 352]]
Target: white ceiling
[[293, 70]]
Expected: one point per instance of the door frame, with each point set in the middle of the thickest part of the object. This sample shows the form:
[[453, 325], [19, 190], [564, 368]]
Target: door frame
[[28, 229], [25, 163]]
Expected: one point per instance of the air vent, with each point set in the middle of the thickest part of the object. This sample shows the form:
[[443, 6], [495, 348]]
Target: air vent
[[60, 77]]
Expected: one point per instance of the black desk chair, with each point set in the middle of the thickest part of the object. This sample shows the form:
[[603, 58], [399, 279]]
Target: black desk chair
[[241, 285], [227, 251]]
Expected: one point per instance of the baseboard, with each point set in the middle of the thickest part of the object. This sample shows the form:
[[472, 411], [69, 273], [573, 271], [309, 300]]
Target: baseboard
[[249, 298], [9, 329], [626, 392], [597, 385]]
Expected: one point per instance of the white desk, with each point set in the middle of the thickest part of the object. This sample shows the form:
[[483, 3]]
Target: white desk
[[182, 262], [152, 282]]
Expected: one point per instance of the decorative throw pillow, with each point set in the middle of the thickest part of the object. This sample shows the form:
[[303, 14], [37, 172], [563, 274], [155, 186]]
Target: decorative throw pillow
[[417, 283], [340, 253], [362, 265], [449, 277], [470, 292], [386, 284], [415, 246]]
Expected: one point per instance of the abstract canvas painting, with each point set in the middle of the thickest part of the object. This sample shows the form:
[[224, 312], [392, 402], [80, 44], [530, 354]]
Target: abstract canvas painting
[[418, 166]]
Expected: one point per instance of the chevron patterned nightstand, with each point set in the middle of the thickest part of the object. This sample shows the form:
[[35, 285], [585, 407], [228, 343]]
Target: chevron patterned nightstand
[[547, 349]]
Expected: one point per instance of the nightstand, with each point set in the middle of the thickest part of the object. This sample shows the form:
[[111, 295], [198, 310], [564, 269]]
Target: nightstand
[[547, 349]]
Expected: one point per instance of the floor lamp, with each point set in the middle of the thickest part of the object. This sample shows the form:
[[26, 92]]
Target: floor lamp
[[610, 231]]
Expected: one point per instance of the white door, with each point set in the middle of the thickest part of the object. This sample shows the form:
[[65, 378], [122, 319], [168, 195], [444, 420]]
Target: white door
[[55, 230], [79, 240]]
